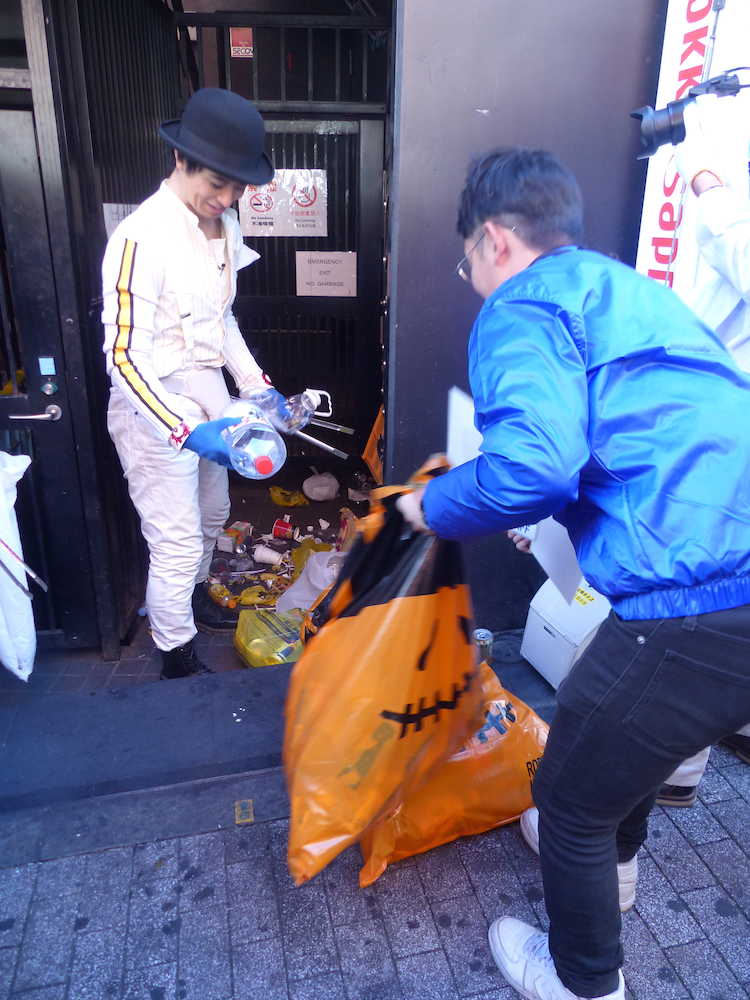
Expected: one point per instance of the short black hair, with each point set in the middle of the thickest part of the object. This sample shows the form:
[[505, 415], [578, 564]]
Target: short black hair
[[191, 166], [526, 188]]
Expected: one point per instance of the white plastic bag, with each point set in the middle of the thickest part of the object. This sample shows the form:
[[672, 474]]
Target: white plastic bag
[[319, 572], [321, 486], [17, 631]]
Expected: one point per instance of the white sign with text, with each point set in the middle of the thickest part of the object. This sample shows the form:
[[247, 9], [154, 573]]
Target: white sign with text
[[327, 273]]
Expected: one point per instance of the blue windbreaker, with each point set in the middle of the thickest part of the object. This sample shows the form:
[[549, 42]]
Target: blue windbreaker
[[603, 400]]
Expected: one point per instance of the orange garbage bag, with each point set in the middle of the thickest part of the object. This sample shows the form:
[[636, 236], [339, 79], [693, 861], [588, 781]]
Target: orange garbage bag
[[486, 784], [386, 688]]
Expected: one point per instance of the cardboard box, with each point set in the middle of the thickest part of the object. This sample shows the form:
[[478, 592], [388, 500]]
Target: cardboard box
[[236, 534], [557, 633]]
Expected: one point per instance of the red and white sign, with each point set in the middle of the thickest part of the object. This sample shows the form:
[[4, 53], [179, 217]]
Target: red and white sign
[[241, 43], [294, 203], [667, 249]]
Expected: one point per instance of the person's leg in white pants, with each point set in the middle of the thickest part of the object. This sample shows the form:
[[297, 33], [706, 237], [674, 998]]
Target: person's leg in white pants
[[213, 500], [168, 489]]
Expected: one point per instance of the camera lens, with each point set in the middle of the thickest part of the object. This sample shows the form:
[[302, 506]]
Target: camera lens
[[662, 126]]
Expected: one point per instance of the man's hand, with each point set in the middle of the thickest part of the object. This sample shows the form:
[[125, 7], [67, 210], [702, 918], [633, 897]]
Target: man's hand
[[714, 151], [208, 442], [410, 505], [521, 542], [286, 415]]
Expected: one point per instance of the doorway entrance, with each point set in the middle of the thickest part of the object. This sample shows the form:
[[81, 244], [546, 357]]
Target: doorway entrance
[[35, 417]]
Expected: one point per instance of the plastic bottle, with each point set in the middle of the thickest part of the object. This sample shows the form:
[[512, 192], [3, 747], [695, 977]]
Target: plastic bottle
[[256, 449]]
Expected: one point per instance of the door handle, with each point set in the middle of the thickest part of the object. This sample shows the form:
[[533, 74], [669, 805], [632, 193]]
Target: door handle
[[52, 412]]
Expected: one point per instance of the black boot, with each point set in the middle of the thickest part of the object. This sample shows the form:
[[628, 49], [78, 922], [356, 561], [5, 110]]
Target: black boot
[[182, 662], [209, 616]]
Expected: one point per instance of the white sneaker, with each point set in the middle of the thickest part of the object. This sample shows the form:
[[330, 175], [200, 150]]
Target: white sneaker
[[522, 955], [627, 872]]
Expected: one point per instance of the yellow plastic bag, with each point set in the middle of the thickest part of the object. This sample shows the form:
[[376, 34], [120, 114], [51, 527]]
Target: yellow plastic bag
[[264, 638], [486, 784], [386, 689], [287, 498]]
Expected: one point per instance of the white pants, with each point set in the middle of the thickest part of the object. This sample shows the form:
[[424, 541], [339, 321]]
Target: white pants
[[690, 771], [183, 504]]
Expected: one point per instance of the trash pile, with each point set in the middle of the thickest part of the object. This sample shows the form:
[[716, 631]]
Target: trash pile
[[272, 573]]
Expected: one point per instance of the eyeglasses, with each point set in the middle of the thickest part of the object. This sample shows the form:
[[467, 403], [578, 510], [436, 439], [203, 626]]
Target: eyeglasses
[[463, 268]]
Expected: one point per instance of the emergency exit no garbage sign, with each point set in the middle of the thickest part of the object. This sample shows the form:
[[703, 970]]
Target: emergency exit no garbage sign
[[327, 273]]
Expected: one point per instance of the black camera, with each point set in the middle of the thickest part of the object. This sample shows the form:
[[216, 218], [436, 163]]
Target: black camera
[[668, 124]]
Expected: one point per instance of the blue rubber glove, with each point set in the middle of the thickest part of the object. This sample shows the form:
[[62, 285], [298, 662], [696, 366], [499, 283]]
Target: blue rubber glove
[[286, 415], [207, 440]]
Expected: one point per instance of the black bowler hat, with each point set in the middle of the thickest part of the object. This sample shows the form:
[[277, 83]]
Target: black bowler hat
[[222, 131]]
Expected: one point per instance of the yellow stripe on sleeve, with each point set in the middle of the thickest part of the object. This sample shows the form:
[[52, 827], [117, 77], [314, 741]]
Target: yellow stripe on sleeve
[[121, 350]]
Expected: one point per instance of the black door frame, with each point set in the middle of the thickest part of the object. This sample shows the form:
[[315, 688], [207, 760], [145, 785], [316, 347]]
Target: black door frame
[[46, 90]]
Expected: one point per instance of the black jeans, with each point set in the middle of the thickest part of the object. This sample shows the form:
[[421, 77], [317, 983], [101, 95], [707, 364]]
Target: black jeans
[[644, 696]]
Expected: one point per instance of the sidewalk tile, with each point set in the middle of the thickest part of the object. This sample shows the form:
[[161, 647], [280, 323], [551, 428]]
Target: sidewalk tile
[[702, 969], [427, 976], [442, 872], [494, 879], [47, 943], [366, 962], [112, 868], [326, 987], [714, 787], [734, 816], [406, 913], [8, 959], [62, 877], [245, 842], [725, 925], [668, 918], [97, 966], [16, 890], [738, 777], [646, 966], [732, 868], [153, 925], [279, 835], [259, 970], [676, 858], [309, 943], [201, 872], [155, 860], [697, 824], [254, 912], [463, 932], [347, 902], [100, 908], [204, 962], [45, 993], [154, 983]]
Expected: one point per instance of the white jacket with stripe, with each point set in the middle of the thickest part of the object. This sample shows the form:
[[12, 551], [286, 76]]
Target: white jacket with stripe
[[168, 308]]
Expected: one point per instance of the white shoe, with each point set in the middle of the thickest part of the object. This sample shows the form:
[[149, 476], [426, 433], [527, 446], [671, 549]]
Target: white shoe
[[627, 872], [522, 955]]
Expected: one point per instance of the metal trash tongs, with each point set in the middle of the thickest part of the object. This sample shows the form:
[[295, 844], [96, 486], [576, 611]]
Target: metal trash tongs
[[37, 579], [324, 423]]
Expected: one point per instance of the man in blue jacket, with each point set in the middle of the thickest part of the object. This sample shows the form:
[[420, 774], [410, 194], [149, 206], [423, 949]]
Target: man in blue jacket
[[602, 400]]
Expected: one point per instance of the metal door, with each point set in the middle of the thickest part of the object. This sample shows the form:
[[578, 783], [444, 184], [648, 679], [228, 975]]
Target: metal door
[[34, 396], [324, 342]]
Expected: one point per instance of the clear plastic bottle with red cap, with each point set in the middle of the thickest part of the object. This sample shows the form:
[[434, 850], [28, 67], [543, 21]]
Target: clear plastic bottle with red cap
[[256, 449]]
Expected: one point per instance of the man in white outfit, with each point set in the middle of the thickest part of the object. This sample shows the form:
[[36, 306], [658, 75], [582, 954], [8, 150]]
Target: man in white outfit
[[169, 280], [713, 163]]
